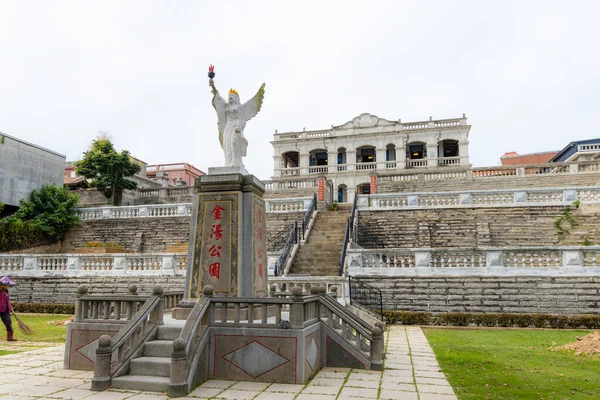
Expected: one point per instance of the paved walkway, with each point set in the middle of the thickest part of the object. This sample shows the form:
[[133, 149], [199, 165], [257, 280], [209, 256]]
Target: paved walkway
[[411, 372]]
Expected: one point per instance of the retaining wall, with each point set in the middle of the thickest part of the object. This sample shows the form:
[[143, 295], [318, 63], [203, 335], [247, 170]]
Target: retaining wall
[[62, 290], [552, 295]]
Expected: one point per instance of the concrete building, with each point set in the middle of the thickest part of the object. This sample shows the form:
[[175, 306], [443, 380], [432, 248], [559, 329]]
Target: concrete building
[[514, 158], [350, 154], [24, 167], [580, 150], [176, 174]]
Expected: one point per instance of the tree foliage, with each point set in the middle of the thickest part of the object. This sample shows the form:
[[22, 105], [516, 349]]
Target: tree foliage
[[108, 169], [52, 210], [46, 217]]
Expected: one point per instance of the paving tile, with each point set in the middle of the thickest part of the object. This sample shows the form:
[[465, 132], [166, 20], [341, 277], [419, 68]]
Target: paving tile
[[396, 395], [397, 372], [217, 383], [8, 378], [331, 374], [309, 396], [253, 386], [401, 386], [322, 390], [36, 391], [110, 395], [398, 366], [364, 393], [326, 382], [205, 392], [432, 396], [435, 389], [275, 396], [284, 388], [74, 394], [231, 394], [431, 381], [430, 374], [365, 377], [373, 384], [148, 396], [427, 368]]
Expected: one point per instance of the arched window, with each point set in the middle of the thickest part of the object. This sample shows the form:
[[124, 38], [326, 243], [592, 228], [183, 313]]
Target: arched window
[[448, 152], [366, 154], [342, 196], [317, 158], [290, 159], [416, 151]]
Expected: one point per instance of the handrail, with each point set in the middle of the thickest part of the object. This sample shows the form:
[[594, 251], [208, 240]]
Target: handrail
[[308, 215], [347, 235], [143, 324], [286, 252], [277, 241], [358, 324], [372, 293], [188, 347]]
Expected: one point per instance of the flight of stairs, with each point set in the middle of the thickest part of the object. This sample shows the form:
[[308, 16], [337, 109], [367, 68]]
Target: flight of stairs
[[151, 371], [320, 255]]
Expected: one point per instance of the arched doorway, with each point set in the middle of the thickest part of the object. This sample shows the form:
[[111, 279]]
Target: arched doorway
[[290, 163], [390, 156], [364, 188], [416, 154], [342, 196]]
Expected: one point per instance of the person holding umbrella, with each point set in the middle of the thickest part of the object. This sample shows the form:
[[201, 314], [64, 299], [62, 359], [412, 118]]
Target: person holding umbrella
[[5, 307]]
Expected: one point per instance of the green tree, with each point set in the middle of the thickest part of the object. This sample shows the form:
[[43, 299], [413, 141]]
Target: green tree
[[108, 169], [51, 210]]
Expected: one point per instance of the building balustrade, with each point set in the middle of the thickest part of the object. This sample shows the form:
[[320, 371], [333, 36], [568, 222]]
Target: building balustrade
[[297, 204], [121, 264], [478, 199], [141, 211], [545, 261]]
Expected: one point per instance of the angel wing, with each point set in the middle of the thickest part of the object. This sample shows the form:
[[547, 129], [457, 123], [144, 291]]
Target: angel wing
[[219, 104], [252, 106]]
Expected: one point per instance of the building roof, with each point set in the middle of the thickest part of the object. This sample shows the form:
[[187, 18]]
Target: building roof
[[33, 145], [514, 158], [571, 149]]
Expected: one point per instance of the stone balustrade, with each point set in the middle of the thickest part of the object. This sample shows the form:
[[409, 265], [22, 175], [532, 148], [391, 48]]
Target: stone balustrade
[[332, 284], [141, 211], [485, 198], [146, 264], [287, 205], [542, 261]]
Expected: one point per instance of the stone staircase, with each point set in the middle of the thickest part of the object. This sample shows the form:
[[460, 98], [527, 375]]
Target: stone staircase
[[320, 255], [151, 371]]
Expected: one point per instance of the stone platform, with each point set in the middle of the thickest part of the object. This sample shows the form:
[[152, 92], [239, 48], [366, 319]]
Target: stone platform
[[411, 372]]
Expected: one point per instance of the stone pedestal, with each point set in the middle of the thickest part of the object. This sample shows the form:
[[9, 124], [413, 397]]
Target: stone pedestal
[[227, 237]]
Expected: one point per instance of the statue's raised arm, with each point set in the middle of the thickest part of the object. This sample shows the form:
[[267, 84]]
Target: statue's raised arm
[[252, 106], [220, 106]]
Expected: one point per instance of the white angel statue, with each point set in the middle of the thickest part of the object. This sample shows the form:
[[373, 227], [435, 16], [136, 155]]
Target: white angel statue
[[232, 118]]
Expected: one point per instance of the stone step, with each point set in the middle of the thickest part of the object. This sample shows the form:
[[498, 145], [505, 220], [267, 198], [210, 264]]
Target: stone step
[[147, 383], [156, 366], [158, 348], [168, 332]]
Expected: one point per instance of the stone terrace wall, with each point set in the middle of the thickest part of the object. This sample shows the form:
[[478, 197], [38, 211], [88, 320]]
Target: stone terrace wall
[[62, 290], [152, 235], [146, 235], [488, 183], [289, 193], [552, 295], [475, 227]]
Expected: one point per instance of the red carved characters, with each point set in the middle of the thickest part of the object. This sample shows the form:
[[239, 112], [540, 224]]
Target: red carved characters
[[216, 234]]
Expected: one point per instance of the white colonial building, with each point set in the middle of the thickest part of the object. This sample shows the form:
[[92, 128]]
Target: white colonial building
[[350, 154]]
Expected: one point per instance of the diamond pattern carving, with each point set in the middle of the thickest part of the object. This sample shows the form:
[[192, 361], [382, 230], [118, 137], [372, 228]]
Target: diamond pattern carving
[[255, 359]]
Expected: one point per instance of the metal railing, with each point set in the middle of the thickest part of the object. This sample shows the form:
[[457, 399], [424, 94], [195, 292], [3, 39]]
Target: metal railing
[[347, 236], [277, 241], [286, 251], [366, 296]]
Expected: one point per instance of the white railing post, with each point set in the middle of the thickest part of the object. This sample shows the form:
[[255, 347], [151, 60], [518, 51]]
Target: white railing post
[[30, 263], [572, 260], [465, 198], [167, 263], [73, 262], [520, 197], [143, 212], [119, 263], [105, 213], [422, 260], [181, 209], [494, 261], [574, 168], [569, 196]]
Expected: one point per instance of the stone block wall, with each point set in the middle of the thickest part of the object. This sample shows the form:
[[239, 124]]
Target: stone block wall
[[152, 235], [475, 227], [62, 290], [551, 295], [290, 193], [490, 183], [145, 235]]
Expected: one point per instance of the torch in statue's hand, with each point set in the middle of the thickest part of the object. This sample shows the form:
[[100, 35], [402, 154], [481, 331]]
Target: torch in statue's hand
[[211, 74]]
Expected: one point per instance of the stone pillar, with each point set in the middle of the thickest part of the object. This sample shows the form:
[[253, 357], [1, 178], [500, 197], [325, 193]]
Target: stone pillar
[[432, 155], [463, 152], [380, 158], [332, 161], [303, 163], [227, 236], [401, 156]]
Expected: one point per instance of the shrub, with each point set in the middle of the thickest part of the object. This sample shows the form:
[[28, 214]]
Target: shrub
[[492, 319], [44, 308], [104, 244]]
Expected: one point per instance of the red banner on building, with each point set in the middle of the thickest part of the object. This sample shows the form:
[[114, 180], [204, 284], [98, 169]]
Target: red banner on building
[[321, 189], [373, 185]]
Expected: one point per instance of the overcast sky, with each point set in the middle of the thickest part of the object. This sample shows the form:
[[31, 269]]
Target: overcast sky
[[526, 73]]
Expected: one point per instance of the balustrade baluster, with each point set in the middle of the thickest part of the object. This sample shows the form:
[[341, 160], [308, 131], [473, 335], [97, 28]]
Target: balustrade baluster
[[278, 313], [107, 309], [95, 310], [117, 310], [223, 312], [264, 313], [250, 313]]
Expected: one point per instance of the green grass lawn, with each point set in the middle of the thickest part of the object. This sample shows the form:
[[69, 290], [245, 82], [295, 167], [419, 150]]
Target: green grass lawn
[[515, 364], [42, 331]]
